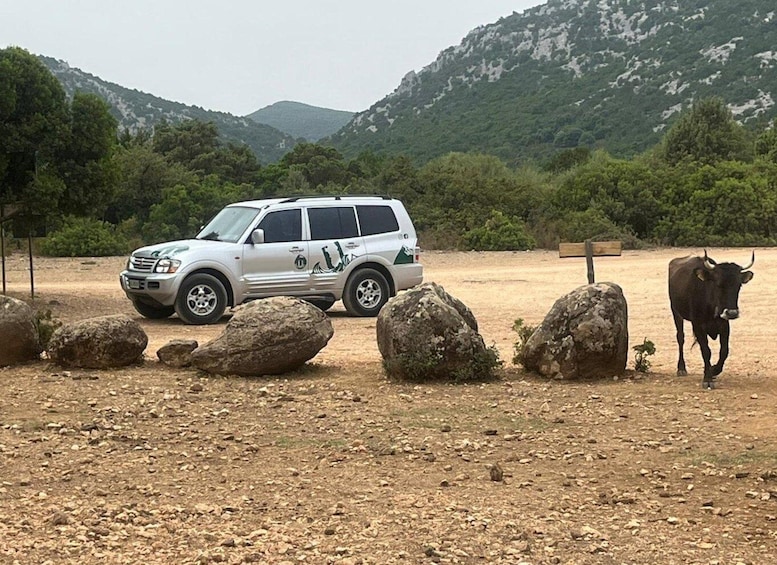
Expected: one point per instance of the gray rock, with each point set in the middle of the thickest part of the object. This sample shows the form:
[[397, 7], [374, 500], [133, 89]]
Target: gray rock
[[585, 335], [98, 343], [266, 337], [177, 353], [18, 332], [427, 334]]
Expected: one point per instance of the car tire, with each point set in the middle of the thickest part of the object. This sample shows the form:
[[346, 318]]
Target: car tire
[[201, 300], [319, 303], [153, 312], [365, 292]]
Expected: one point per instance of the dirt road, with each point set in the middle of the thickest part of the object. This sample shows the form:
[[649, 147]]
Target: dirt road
[[335, 464]]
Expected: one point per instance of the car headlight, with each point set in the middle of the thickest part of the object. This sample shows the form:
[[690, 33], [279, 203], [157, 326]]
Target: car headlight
[[167, 266]]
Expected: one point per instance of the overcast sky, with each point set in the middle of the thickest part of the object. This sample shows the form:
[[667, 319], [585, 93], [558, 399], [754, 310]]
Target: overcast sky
[[239, 56]]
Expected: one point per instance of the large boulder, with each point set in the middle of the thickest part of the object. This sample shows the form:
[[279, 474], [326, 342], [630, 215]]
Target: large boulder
[[266, 337], [18, 332], [98, 343], [585, 335], [427, 334]]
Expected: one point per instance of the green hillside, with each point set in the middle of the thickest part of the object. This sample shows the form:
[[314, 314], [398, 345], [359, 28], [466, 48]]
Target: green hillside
[[137, 110], [301, 120], [609, 74]]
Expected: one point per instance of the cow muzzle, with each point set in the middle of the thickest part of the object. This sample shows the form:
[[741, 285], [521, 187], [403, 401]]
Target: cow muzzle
[[730, 314]]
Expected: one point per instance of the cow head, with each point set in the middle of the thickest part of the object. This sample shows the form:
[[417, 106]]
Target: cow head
[[726, 280]]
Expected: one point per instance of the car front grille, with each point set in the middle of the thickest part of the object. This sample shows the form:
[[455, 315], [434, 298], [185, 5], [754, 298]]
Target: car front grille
[[145, 264]]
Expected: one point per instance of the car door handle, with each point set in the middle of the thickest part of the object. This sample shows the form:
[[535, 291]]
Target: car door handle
[[296, 250]]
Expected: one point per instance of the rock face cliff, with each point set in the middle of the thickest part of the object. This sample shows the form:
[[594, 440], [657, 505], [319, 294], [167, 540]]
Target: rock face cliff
[[569, 73]]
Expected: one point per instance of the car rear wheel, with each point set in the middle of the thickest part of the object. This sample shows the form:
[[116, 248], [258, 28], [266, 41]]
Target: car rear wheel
[[365, 293], [201, 299]]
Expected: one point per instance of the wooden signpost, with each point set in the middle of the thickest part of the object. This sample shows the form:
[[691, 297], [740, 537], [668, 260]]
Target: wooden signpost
[[590, 249]]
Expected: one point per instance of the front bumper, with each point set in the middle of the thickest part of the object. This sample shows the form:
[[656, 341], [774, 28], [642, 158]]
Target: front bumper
[[159, 288]]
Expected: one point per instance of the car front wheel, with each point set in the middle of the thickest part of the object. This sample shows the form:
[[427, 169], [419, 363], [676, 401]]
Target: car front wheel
[[153, 312], [365, 293], [201, 299]]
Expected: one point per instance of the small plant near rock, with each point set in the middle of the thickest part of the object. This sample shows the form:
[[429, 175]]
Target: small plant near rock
[[643, 351], [524, 333], [46, 325], [419, 366]]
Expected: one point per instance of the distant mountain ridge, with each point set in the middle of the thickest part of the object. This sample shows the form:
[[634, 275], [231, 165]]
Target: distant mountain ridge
[[137, 110], [302, 120], [569, 73]]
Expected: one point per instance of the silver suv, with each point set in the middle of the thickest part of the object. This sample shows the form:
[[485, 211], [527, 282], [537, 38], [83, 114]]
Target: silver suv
[[361, 249]]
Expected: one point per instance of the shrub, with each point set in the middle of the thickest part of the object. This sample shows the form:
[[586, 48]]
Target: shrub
[[418, 366], [500, 233], [524, 333], [643, 351], [46, 326], [84, 237]]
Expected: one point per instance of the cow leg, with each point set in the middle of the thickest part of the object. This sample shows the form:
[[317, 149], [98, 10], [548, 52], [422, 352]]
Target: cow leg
[[701, 337], [724, 335], [678, 323]]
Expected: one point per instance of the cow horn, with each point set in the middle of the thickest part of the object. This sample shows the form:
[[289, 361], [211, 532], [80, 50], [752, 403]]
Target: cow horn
[[752, 260], [708, 262]]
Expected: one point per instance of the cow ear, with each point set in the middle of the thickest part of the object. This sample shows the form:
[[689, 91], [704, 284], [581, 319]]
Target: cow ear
[[702, 274], [747, 276]]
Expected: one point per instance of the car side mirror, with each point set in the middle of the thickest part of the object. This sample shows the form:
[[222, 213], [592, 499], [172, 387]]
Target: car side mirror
[[257, 236]]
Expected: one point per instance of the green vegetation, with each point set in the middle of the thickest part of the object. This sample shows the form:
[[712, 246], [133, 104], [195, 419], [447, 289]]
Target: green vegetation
[[610, 76], [524, 333], [707, 181], [641, 353], [301, 120]]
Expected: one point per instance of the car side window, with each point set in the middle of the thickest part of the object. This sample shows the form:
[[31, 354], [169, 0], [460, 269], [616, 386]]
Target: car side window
[[281, 226], [377, 219], [332, 223]]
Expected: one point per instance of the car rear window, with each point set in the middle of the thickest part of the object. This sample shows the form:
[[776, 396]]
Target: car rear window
[[332, 223], [377, 219]]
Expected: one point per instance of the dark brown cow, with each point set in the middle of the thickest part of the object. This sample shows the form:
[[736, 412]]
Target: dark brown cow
[[706, 294]]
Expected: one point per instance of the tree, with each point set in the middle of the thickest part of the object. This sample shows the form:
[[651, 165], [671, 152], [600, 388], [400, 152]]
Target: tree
[[766, 143], [706, 134], [318, 164], [85, 162], [33, 128], [196, 145]]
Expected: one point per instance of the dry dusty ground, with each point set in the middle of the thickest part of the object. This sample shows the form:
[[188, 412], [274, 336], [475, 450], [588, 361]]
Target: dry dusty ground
[[335, 464]]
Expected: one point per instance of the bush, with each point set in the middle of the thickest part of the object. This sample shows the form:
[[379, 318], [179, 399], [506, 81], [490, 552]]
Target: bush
[[524, 333], [418, 366], [46, 326], [500, 233], [642, 352], [84, 237]]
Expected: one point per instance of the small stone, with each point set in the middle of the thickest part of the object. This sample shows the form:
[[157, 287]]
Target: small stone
[[497, 474], [60, 519]]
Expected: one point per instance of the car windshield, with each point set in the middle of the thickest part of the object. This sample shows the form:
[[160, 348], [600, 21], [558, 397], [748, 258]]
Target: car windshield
[[229, 224]]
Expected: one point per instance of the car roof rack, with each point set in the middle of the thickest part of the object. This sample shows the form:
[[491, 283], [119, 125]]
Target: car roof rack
[[334, 197]]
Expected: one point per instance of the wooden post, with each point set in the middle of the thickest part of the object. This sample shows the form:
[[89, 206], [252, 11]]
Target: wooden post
[[590, 249], [589, 260]]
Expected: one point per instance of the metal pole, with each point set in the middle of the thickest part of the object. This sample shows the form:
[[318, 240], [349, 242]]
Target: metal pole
[[589, 260], [32, 275], [2, 248]]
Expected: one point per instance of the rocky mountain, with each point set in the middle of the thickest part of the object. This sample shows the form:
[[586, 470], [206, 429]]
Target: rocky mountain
[[136, 110], [597, 73], [301, 120]]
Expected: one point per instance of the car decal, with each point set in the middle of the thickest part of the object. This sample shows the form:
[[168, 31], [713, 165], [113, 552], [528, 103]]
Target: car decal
[[169, 251], [404, 256], [331, 267]]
